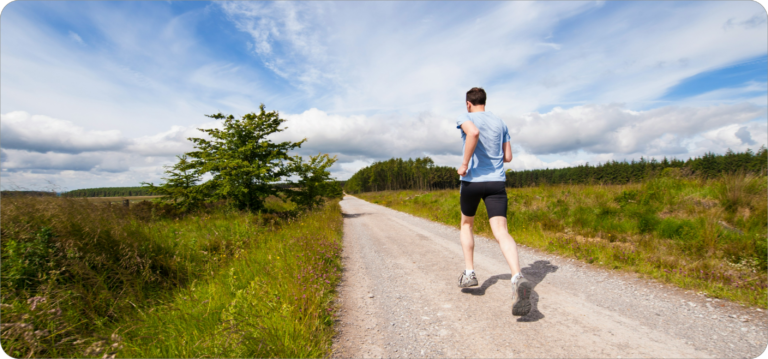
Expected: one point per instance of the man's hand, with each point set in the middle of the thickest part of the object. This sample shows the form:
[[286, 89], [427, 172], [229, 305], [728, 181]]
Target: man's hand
[[462, 170]]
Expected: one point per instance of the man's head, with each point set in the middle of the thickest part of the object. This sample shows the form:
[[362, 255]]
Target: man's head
[[476, 100]]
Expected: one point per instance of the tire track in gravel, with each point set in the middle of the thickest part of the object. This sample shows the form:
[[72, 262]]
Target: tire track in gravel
[[398, 298]]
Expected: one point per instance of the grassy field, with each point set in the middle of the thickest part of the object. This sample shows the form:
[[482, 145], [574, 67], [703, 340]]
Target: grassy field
[[84, 280], [704, 235]]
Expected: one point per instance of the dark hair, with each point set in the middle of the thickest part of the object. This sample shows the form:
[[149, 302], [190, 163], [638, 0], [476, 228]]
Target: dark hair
[[476, 96]]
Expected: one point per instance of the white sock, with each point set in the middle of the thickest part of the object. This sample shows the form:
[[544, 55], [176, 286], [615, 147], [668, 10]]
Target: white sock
[[518, 275], [469, 271]]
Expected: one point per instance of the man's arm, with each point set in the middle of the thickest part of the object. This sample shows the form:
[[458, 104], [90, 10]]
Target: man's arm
[[507, 152], [469, 145]]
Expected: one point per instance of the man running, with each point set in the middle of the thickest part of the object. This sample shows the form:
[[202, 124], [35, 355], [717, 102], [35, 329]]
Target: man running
[[486, 149]]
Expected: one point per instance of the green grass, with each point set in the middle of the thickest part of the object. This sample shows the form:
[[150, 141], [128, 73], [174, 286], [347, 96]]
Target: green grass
[[703, 235], [272, 301], [74, 273]]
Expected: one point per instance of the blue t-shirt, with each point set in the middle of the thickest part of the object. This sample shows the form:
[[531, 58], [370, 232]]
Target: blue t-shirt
[[487, 163]]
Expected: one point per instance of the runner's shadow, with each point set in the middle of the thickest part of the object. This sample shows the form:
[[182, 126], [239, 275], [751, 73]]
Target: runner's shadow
[[353, 215], [535, 273], [487, 283]]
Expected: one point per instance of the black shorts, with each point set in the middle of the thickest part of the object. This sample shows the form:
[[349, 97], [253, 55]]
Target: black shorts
[[494, 194]]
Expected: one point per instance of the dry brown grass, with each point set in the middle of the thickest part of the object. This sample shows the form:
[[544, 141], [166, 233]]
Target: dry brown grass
[[133, 199]]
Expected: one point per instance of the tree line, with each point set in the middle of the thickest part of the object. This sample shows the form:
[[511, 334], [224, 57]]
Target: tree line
[[397, 174], [709, 165], [109, 192], [28, 193], [422, 174]]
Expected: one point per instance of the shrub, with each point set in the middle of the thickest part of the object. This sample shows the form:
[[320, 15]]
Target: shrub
[[738, 190], [26, 260]]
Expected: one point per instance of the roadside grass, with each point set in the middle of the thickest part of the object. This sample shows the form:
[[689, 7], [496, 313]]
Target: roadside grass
[[72, 269], [705, 235], [273, 300]]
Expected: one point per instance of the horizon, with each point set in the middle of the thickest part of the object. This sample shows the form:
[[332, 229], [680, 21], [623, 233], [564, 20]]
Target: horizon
[[105, 94], [599, 164]]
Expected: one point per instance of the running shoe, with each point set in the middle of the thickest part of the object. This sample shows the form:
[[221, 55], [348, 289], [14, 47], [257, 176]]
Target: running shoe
[[521, 296], [467, 280]]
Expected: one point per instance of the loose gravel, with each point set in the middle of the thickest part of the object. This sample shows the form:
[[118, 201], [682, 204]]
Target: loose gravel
[[399, 299]]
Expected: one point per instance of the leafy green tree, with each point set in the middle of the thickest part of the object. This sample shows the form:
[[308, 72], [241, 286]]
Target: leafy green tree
[[314, 181], [243, 162], [246, 167], [181, 185]]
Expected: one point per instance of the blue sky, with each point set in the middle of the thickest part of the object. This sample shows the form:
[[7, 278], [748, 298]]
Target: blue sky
[[105, 93]]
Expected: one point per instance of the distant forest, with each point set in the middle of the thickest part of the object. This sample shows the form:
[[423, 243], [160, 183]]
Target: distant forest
[[708, 166], [109, 192], [28, 193], [422, 174], [396, 173]]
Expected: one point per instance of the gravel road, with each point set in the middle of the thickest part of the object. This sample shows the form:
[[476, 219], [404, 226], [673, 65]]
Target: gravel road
[[399, 298]]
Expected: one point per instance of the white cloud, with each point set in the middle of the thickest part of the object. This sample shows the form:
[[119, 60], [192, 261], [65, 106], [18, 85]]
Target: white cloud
[[551, 45], [169, 143], [736, 137], [573, 136], [46, 150], [378, 136], [288, 38], [74, 36], [18, 160], [382, 56], [615, 129], [20, 130]]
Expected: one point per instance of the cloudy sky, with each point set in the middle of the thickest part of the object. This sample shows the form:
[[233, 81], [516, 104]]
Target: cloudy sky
[[102, 94]]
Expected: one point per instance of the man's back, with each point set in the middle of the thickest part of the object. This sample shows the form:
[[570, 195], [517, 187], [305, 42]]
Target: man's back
[[487, 163]]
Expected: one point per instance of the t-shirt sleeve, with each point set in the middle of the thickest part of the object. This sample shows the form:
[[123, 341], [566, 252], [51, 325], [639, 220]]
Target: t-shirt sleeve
[[461, 120], [507, 138]]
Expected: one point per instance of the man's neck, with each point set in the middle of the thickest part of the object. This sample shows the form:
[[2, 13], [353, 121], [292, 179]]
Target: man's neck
[[477, 108]]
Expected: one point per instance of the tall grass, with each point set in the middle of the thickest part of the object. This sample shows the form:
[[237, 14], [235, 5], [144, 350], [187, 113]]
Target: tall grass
[[72, 269], [273, 301], [705, 235]]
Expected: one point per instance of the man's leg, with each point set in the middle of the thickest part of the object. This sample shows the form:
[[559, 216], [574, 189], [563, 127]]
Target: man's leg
[[507, 243], [496, 204], [521, 287], [468, 201], [467, 240]]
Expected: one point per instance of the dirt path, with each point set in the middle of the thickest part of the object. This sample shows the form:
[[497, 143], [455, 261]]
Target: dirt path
[[398, 298]]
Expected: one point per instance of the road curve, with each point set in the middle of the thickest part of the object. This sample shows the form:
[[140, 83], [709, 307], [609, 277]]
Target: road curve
[[398, 298]]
